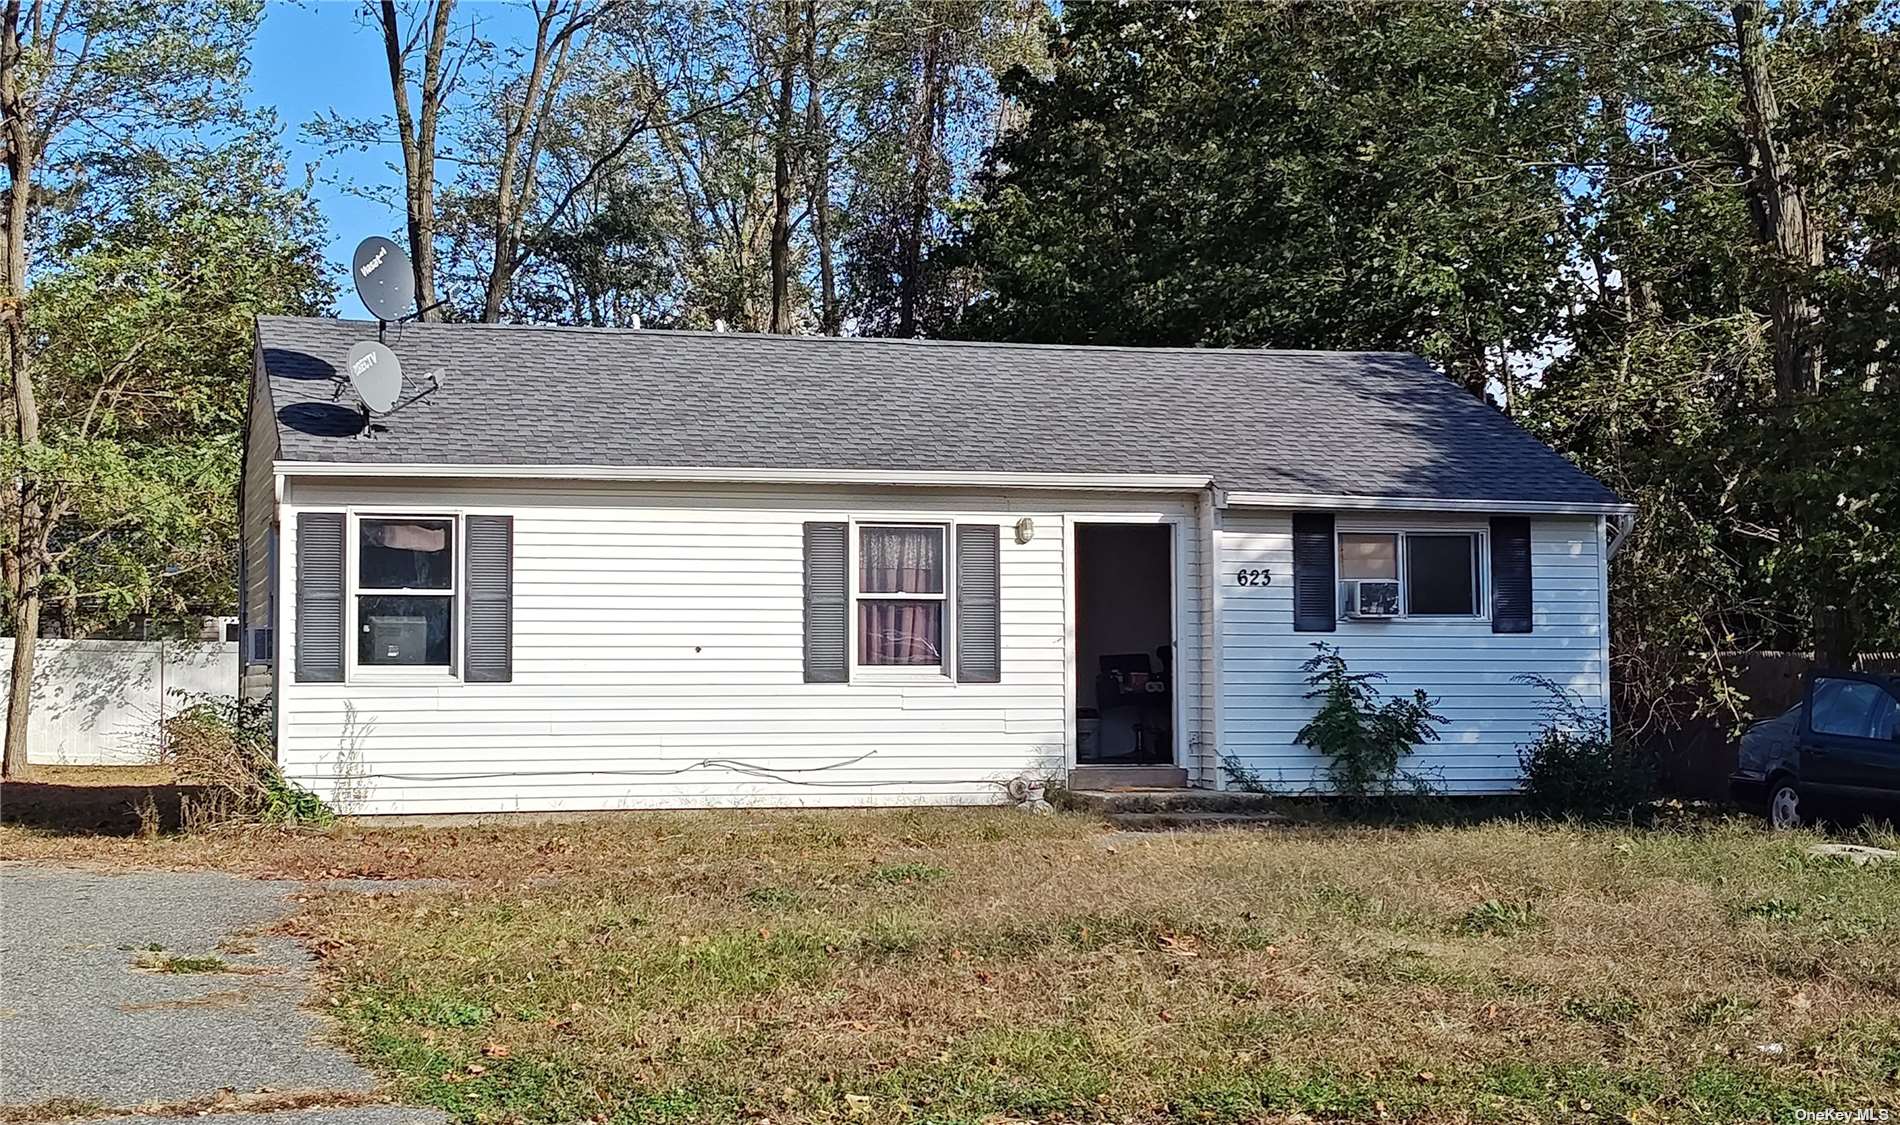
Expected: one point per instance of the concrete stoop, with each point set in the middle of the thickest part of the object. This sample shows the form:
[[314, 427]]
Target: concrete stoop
[[1171, 809]]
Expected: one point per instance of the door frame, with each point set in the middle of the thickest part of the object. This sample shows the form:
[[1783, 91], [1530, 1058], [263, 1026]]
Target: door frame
[[1177, 621]]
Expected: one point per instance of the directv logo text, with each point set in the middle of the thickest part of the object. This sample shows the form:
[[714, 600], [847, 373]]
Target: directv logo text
[[363, 364]]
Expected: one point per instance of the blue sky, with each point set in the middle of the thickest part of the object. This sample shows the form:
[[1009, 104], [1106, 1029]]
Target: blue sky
[[313, 57]]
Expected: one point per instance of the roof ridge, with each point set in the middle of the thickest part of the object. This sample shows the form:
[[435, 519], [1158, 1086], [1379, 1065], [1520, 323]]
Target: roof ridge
[[699, 333]]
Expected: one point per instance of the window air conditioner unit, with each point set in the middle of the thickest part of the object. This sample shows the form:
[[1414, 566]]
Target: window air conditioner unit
[[399, 640], [1372, 599]]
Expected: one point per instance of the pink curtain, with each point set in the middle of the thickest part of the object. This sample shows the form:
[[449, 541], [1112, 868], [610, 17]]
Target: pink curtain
[[900, 632], [900, 560]]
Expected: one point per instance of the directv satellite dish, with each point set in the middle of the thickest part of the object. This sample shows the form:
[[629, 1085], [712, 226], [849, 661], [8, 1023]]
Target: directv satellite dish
[[376, 374], [384, 279]]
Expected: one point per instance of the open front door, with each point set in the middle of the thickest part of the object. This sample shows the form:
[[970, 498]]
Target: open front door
[[1125, 645]]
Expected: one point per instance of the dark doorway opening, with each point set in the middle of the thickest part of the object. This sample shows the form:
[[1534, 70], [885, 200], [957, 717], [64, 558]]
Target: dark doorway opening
[[1124, 643]]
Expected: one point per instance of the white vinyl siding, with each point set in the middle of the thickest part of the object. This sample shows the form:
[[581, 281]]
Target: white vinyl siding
[[658, 660], [1461, 662]]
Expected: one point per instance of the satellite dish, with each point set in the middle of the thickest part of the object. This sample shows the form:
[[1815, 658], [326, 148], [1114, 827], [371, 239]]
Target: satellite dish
[[376, 374], [384, 279]]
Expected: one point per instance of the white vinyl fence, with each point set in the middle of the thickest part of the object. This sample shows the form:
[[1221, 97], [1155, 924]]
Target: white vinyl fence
[[99, 703]]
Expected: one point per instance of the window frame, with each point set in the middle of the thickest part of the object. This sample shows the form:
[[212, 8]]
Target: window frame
[[1814, 690], [354, 668], [1480, 571], [856, 669]]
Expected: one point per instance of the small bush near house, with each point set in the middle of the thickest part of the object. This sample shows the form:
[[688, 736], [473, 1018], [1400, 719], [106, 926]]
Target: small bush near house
[[1363, 738], [1573, 767], [225, 745]]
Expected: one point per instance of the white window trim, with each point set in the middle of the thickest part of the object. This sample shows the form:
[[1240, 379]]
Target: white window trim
[[354, 671], [1480, 572], [902, 673]]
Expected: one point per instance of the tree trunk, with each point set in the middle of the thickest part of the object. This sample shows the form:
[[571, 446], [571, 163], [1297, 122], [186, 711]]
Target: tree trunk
[[781, 319], [418, 143], [1794, 237], [505, 230], [25, 620], [25, 565], [828, 318], [514, 192], [923, 171]]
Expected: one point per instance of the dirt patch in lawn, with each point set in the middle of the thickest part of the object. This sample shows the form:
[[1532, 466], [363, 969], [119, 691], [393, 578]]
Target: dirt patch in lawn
[[982, 965]]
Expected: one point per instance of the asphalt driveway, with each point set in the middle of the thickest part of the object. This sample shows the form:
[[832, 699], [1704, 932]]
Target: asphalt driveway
[[89, 1014]]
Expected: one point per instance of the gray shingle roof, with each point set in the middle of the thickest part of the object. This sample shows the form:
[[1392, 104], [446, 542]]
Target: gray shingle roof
[[1330, 423]]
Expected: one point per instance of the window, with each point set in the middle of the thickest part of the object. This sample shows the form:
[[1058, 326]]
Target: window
[[405, 591], [1437, 574], [900, 596], [1855, 708], [1368, 556], [1441, 575]]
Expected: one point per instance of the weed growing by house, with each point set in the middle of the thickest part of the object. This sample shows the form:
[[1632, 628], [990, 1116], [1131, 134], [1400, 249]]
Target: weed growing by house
[[1573, 767], [225, 745], [1363, 738]]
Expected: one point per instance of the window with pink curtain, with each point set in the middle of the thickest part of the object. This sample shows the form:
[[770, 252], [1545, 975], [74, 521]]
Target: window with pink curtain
[[900, 596]]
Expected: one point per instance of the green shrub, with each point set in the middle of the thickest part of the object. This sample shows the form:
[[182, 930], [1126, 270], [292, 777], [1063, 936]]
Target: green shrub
[[1573, 768], [225, 745], [1362, 737]]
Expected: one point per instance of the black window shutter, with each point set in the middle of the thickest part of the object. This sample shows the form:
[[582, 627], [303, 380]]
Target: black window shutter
[[1315, 590], [1510, 574], [979, 604], [826, 604], [319, 597], [488, 639]]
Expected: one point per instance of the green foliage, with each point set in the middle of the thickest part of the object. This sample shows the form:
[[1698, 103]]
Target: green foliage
[[144, 347], [1363, 739], [1510, 188], [1238, 174], [1573, 767]]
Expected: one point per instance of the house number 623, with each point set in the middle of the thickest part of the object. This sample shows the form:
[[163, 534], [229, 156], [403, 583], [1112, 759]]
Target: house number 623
[[1255, 577]]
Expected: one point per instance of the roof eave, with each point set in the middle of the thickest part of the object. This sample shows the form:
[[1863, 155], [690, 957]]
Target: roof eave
[[1428, 504], [652, 474]]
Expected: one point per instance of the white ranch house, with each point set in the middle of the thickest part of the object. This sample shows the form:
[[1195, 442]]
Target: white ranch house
[[640, 569]]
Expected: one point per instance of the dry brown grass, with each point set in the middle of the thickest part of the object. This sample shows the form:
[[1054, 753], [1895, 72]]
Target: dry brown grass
[[102, 775], [946, 966]]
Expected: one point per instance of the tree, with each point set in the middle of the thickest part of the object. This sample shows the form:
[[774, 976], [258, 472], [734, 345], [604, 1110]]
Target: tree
[[145, 334], [818, 75], [920, 100], [416, 128], [94, 97], [1351, 175], [1666, 235], [529, 107], [784, 125]]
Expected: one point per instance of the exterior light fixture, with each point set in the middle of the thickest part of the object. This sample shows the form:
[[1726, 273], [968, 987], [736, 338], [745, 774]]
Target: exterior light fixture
[[1025, 529]]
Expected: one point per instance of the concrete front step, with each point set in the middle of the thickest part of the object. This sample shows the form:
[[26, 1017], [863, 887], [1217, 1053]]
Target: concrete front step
[[1127, 777], [1191, 821], [1165, 800]]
